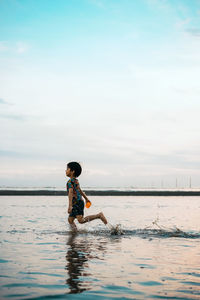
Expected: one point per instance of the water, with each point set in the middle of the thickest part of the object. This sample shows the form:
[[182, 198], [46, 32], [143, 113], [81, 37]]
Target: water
[[151, 252]]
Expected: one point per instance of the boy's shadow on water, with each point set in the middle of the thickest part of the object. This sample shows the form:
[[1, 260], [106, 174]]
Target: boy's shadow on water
[[79, 252]]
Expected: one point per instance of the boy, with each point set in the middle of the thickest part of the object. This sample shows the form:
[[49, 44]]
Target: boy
[[76, 203]]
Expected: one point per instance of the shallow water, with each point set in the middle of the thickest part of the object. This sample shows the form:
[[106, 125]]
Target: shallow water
[[153, 254]]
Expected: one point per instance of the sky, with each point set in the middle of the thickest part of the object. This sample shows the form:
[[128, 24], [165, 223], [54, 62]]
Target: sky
[[112, 84]]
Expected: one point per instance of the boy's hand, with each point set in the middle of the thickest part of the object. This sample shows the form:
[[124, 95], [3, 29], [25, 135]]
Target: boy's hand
[[69, 209], [88, 203]]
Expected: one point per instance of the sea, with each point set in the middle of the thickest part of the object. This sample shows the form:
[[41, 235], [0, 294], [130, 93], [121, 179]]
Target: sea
[[150, 248]]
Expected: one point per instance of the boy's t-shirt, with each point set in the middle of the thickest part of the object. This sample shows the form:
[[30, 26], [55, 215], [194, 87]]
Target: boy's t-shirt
[[74, 184]]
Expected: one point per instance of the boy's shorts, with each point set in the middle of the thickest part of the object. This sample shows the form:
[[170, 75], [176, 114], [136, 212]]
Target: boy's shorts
[[77, 208]]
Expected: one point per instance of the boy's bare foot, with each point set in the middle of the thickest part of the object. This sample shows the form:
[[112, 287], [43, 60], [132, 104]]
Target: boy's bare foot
[[103, 218]]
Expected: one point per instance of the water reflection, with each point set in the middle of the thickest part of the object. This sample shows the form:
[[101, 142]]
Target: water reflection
[[81, 250]]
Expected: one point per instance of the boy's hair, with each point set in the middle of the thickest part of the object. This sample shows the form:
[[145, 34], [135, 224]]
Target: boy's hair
[[76, 167]]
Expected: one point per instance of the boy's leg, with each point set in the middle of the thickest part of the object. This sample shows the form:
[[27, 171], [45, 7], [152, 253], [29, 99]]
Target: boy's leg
[[72, 224], [101, 216]]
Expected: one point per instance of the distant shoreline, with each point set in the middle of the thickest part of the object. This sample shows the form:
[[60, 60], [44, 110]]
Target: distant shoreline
[[100, 193]]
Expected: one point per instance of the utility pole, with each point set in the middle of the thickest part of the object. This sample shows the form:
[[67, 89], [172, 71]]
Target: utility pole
[[190, 182], [176, 183]]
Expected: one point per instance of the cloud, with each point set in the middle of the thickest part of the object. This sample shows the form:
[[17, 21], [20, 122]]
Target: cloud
[[8, 153], [173, 160], [13, 117], [182, 23], [193, 32], [3, 101], [19, 47], [98, 3], [162, 5], [3, 46], [22, 47]]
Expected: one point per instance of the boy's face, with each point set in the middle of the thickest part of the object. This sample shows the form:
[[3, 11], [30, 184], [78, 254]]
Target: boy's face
[[69, 172]]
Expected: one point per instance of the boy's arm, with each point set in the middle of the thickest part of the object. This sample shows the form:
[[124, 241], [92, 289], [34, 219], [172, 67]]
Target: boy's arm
[[70, 196], [84, 195]]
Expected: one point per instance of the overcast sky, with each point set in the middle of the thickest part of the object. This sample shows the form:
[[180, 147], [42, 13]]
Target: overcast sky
[[113, 84]]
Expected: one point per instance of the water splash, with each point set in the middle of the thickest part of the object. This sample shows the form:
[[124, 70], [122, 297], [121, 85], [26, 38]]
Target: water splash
[[154, 230], [115, 230]]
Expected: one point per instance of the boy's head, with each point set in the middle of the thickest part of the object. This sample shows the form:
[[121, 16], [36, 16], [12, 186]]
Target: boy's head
[[73, 167]]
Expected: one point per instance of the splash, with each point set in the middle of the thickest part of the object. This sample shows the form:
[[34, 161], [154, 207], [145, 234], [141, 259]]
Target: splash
[[154, 230], [115, 229], [168, 231]]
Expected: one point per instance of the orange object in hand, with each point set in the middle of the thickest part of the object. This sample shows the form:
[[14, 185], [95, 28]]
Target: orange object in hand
[[88, 204]]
